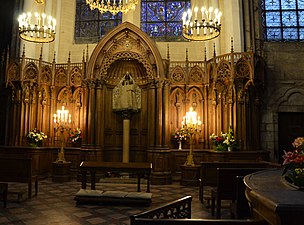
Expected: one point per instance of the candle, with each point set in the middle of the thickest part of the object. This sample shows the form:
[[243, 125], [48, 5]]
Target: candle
[[203, 13], [43, 18], [198, 28], [210, 13], [195, 12]]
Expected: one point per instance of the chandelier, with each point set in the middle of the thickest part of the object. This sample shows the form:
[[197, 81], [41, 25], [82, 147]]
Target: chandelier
[[202, 24], [37, 26], [112, 6]]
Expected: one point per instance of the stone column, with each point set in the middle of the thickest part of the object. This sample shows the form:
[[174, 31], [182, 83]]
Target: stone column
[[126, 135], [126, 140]]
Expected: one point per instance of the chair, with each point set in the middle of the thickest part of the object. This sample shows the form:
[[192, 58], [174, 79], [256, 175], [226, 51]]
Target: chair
[[226, 186], [4, 190], [240, 208]]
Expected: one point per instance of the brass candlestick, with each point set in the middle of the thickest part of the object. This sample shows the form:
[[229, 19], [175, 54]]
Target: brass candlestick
[[191, 125], [62, 121]]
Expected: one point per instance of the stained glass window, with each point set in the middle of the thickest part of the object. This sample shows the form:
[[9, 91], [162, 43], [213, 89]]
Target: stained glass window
[[162, 20], [283, 20], [91, 25]]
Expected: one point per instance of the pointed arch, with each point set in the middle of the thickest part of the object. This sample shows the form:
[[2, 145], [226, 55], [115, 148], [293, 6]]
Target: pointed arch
[[60, 77], [196, 74], [126, 41], [31, 72], [75, 76], [46, 75], [13, 72], [178, 75]]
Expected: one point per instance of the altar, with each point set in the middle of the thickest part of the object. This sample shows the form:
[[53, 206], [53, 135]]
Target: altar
[[272, 199]]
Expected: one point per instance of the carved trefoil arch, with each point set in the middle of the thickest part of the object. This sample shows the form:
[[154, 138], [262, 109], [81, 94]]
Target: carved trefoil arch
[[125, 42]]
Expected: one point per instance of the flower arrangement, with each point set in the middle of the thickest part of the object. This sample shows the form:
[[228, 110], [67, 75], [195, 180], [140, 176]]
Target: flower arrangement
[[35, 137], [75, 135], [180, 135], [294, 162], [224, 141]]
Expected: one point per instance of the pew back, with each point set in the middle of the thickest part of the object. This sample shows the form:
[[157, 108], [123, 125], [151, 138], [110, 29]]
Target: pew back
[[145, 221], [208, 173], [178, 212], [18, 170]]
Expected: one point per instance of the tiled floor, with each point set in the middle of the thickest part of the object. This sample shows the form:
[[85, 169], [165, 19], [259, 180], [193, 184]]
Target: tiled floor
[[55, 205]]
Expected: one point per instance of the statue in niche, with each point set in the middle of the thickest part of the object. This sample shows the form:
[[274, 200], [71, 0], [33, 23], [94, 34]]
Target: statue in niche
[[194, 100], [127, 95]]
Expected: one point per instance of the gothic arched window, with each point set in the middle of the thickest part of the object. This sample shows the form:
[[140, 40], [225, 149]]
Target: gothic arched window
[[283, 20], [91, 25], [162, 19]]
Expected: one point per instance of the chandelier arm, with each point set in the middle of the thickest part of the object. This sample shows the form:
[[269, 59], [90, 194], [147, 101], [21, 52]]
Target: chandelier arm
[[112, 6]]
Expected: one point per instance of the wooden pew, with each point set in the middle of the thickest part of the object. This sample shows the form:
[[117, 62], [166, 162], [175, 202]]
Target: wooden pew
[[178, 212], [18, 170], [145, 221], [240, 208], [226, 186], [208, 173], [3, 191]]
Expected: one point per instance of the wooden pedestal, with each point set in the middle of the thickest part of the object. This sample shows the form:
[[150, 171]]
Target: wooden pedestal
[[61, 171], [190, 175]]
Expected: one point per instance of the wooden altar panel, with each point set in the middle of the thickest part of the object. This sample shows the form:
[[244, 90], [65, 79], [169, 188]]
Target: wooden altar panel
[[178, 157]]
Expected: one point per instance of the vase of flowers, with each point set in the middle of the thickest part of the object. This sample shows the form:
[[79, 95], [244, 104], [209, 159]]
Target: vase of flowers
[[225, 141], [75, 136], [294, 163], [179, 136], [35, 137]]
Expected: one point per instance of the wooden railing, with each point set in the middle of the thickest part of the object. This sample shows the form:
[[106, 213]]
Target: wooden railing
[[178, 209], [178, 212]]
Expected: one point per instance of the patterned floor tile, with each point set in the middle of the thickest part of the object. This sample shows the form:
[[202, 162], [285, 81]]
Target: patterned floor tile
[[55, 205]]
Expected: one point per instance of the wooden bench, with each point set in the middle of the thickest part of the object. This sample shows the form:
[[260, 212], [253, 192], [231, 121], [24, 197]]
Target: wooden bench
[[226, 186], [18, 170], [140, 169], [178, 212], [208, 173], [145, 221], [240, 208], [3, 191]]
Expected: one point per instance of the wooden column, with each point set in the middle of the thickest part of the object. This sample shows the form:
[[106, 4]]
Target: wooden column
[[159, 113]]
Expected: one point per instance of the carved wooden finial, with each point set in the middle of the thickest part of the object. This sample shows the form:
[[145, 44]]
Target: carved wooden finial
[[41, 52], [168, 52], [7, 55], [87, 58], [205, 53], [214, 52], [23, 53], [251, 46], [69, 59], [54, 57], [232, 44], [186, 54]]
